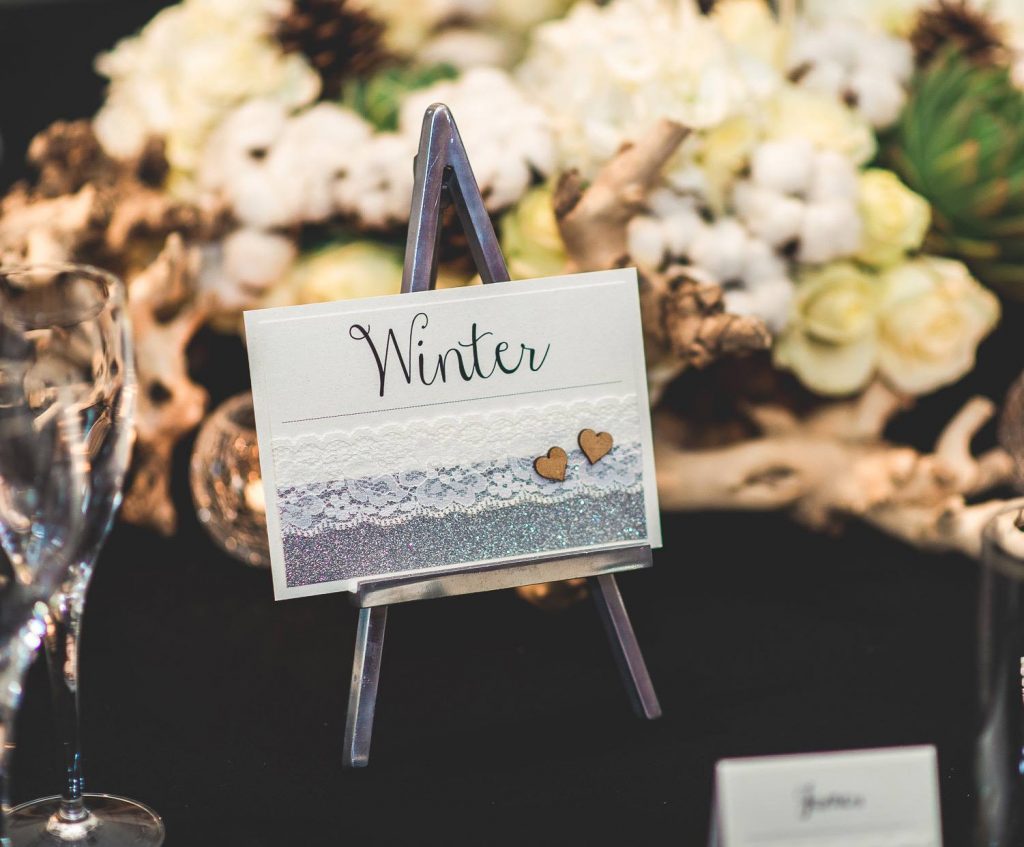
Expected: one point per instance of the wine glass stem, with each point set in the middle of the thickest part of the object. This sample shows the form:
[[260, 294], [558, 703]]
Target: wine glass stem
[[15, 659], [63, 632]]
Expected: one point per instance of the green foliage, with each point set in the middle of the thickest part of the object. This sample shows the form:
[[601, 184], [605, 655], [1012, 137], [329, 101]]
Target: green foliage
[[377, 97], [960, 144]]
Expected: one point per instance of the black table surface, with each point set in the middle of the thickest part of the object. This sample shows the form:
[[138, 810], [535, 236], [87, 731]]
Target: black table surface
[[497, 723]]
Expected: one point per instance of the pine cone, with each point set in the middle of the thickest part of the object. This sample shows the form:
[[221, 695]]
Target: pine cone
[[954, 22], [338, 40]]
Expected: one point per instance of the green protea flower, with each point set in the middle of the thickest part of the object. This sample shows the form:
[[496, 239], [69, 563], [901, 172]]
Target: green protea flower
[[960, 144]]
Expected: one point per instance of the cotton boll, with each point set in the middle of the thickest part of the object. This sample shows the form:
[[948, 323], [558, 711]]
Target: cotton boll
[[508, 136], [825, 77], [880, 97], [894, 56], [784, 166], [830, 231], [771, 302], [720, 249], [680, 230], [646, 241], [315, 147], [774, 217], [240, 145], [376, 187], [255, 259], [761, 264], [835, 178], [665, 201]]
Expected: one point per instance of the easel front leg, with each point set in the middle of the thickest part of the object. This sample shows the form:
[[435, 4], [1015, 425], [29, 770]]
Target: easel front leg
[[628, 657], [362, 695]]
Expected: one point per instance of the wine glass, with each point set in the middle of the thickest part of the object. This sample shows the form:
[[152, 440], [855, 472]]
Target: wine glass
[[75, 319], [42, 493]]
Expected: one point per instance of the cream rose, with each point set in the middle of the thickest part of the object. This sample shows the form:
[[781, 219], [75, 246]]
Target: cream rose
[[895, 219], [530, 238], [932, 316], [831, 340]]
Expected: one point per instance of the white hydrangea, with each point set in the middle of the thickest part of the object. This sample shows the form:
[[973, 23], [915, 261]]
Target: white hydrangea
[[191, 65], [606, 74], [800, 195], [851, 62]]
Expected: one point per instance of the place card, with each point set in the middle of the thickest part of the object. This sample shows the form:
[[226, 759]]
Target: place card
[[436, 430], [866, 798]]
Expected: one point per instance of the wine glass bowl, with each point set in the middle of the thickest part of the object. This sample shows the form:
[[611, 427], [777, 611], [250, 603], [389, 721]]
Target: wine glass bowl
[[72, 322]]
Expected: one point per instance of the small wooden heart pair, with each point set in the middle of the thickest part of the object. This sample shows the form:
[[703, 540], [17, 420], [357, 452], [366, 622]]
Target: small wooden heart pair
[[595, 446]]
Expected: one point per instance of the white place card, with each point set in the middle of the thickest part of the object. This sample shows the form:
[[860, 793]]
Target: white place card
[[866, 798], [431, 431]]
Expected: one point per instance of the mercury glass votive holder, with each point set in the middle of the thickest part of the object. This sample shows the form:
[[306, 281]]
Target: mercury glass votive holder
[[227, 488]]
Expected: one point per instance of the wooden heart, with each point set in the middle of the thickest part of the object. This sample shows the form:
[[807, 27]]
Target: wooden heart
[[553, 465], [595, 445]]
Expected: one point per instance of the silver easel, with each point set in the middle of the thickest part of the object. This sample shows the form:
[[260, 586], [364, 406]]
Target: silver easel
[[442, 165]]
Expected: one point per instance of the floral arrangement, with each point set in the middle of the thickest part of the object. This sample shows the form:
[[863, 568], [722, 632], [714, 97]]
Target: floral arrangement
[[841, 185]]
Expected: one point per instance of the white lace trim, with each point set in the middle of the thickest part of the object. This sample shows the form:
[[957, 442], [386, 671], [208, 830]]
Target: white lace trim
[[389, 499], [451, 441]]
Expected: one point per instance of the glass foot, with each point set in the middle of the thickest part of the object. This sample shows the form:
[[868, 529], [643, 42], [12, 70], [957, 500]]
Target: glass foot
[[111, 822]]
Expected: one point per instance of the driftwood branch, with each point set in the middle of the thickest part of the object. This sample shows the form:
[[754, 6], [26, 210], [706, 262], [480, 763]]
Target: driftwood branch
[[835, 465], [166, 312]]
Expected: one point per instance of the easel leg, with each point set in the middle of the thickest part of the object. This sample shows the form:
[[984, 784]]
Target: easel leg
[[628, 657], [362, 696]]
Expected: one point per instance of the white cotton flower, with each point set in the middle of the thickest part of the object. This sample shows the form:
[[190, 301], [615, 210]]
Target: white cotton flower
[[314, 151], [826, 76], [848, 61], [831, 230], [879, 96], [771, 301], [254, 259], [646, 241], [786, 165], [376, 188], [190, 66], [815, 206], [834, 178], [275, 169], [508, 137], [777, 218], [720, 249]]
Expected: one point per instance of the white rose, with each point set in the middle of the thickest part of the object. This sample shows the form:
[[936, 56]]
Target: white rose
[[831, 341], [933, 314]]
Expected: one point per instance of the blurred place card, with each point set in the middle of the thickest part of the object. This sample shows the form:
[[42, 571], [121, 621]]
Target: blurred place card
[[867, 798], [437, 430]]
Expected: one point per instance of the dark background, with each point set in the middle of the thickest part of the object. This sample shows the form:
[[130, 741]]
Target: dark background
[[497, 723]]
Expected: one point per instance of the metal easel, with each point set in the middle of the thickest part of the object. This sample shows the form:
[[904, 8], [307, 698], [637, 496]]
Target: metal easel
[[441, 166]]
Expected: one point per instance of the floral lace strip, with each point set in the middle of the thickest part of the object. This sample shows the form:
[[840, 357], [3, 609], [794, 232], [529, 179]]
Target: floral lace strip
[[394, 498]]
